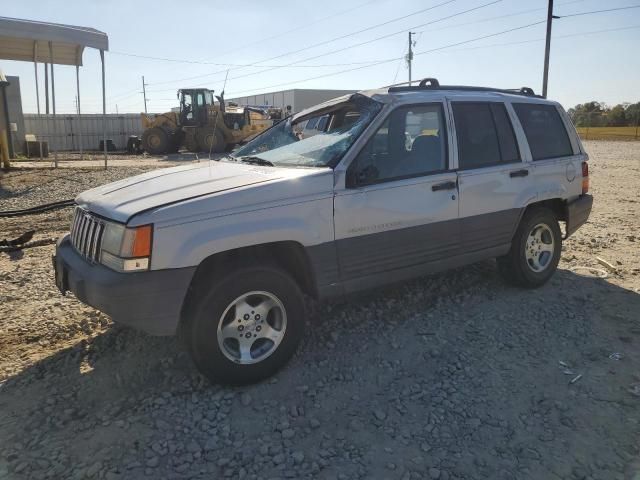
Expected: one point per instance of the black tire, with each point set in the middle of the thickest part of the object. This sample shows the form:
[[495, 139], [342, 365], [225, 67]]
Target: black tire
[[199, 328], [205, 138], [155, 141], [527, 265]]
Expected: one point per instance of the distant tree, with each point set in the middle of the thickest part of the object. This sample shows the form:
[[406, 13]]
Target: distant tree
[[616, 117], [598, 114], [632, 112], [588, 114]]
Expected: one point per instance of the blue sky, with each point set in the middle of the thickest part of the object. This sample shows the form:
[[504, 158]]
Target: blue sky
[[585, 65]]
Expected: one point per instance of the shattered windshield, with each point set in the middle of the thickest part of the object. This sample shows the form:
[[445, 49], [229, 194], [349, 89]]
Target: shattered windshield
[[313, 140]]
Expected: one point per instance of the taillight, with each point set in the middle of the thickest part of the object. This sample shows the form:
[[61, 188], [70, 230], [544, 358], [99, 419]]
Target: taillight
[[585, 177]]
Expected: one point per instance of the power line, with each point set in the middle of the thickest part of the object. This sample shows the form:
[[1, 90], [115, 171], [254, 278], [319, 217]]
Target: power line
[[554, 37], [498, 17], [341, 37], [262, 40], [598, 11], [504, 44], [203, 62], [394, 59], [295, 64], [441, 19], [374, 63], [403, 31], [302, 27], [239, 65]]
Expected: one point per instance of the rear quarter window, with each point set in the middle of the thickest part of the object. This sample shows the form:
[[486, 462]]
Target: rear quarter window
[[544, 129]]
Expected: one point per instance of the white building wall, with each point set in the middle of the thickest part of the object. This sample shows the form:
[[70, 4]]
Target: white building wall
[[298, 98], [68, 132]]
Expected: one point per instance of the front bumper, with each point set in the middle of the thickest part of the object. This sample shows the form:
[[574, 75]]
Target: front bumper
[[150, 301], [578, 212]]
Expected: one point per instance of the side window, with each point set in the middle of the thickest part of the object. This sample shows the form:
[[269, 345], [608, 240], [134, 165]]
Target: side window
[[506, 137], [485, 135], [544, 129], [311, 123], [411, 142], [322, 123]]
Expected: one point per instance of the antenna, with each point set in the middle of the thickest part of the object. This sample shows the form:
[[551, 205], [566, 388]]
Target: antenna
[[221, 110]]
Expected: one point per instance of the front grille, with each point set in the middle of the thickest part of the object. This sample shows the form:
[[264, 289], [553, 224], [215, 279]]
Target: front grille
[[86, 234]]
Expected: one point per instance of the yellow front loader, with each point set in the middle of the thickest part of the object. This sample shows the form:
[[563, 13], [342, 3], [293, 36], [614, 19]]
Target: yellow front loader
[[201, 125]]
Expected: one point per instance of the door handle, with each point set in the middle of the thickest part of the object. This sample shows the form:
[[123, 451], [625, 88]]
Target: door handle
[[519, 173], [444, 186]]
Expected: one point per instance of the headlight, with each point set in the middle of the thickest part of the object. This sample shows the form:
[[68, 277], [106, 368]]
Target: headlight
[[126, 249]]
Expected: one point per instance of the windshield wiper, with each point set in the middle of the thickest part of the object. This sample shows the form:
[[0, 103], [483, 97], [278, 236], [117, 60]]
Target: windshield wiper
[[257, 161]]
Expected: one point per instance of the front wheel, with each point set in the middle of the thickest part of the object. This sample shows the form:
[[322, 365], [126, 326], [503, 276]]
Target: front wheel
[[535, 250], [245, 325], [155, 141]]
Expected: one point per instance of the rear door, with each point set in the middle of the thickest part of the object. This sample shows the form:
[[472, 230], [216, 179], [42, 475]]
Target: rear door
[[494, 181], [399, 209], [555, 154]]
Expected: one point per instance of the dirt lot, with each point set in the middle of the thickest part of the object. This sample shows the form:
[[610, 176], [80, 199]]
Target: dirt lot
[[455, 376]]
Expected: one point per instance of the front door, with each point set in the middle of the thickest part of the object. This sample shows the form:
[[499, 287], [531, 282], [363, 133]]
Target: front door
[[399, 210]]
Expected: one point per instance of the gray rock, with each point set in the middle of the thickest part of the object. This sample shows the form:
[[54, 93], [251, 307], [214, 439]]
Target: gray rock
[[379, 414], [298, 457]]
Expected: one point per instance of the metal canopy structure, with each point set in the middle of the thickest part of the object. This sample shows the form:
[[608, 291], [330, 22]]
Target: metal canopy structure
[[52, 44]]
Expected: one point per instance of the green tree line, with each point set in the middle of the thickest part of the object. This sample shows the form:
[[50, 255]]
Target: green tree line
[[596, 114]]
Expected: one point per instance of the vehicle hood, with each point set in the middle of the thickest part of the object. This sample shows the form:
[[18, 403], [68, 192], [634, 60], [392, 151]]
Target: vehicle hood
[[123, 199]]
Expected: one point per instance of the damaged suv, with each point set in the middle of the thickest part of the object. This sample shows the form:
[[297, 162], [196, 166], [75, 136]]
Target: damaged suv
[[397, 183]]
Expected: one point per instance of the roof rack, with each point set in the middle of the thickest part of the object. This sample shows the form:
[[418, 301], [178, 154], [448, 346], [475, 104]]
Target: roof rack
[[433, 84]]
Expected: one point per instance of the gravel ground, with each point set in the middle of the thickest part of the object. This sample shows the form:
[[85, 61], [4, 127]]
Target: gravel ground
[[454, 376]]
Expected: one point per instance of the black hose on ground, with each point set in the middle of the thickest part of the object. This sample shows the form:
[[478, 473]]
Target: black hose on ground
[[35, 243], [38, 209]]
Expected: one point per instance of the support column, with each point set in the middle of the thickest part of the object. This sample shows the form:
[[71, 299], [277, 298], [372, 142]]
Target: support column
[[46, 88], [79, 118], [53, 104], [35, 67], [104, 111]]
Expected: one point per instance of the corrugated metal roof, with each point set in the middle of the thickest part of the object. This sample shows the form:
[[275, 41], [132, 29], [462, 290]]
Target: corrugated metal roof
[[21, 39]]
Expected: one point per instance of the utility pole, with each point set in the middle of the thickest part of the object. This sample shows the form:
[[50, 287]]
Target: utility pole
[[409, 56], [144, 94], [547, 49]]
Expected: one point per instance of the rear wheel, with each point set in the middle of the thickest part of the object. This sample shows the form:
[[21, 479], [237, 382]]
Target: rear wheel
[[155, 141], [244, 327], [535, 250]]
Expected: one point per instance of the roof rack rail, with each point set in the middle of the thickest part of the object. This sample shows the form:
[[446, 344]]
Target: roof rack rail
[[434, 84]]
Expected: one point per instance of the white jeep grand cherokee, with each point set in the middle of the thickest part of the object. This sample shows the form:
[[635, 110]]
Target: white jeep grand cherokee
[[400, 182]]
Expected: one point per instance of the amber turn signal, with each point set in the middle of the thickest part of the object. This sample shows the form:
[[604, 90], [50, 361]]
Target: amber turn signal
[[142, 242]]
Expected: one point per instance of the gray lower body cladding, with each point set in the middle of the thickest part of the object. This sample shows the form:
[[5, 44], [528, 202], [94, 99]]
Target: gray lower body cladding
[[578, 212], [149, 301], [376, 259]]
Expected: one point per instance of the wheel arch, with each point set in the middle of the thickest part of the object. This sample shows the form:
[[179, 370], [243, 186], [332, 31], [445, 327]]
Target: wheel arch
[[557, 205], [291, 256]]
